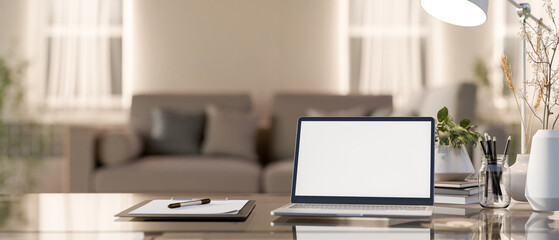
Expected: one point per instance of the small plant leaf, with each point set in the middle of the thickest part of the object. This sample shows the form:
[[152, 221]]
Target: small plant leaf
[[450, 133], [472, 139], [451, 124], [442, 115], [464, 123]]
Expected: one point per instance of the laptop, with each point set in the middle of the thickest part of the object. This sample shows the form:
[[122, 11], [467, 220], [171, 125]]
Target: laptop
[[362, 167]]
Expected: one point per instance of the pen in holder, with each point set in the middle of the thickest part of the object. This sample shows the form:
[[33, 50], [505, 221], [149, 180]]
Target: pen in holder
[[494, 181]]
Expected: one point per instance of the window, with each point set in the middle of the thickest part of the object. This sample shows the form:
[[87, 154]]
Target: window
[[83, 54], [508, 41], [386, 48]]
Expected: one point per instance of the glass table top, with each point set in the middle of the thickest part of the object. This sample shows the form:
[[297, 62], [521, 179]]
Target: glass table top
[[91, 216]]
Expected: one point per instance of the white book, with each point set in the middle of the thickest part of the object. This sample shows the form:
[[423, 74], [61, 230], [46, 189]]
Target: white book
[[453, 209], [456, 199], [456, 184], [457, 191]]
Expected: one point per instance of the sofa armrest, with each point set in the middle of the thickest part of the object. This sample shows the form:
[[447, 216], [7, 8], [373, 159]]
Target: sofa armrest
[[118, 146], [82, 154], [81, 157]]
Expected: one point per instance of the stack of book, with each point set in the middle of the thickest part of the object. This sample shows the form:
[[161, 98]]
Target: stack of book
[[457, 198], [456, 192]]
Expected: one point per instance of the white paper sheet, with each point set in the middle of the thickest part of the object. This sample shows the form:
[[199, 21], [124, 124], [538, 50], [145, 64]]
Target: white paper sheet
[[160, 206]]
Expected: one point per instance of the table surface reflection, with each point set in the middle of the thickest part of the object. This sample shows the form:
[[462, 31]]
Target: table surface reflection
[[91, 216]]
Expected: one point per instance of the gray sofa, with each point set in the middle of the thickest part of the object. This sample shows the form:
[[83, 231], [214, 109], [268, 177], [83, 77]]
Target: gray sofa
[[116, 159], [91, 150]]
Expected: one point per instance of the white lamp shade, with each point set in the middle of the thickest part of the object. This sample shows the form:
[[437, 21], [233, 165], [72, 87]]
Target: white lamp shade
[[467, 13]]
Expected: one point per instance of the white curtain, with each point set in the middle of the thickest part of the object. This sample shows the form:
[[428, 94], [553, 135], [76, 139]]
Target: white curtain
[[79, 53], [391, 61]]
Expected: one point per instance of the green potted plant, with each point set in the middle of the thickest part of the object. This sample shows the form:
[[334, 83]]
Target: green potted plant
[[452, 161]]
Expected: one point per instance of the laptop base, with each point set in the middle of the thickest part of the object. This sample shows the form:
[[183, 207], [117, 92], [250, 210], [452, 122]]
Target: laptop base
[[348, 210]]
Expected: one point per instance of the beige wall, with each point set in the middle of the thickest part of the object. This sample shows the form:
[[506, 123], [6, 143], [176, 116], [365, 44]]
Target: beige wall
[[254, 46], [453, 50], [12, 27]]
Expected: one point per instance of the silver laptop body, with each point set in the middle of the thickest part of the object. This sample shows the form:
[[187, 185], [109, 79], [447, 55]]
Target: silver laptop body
[[362, 167]]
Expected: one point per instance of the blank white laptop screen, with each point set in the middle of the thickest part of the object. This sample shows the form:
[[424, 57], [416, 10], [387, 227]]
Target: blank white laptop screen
[[389, 159]]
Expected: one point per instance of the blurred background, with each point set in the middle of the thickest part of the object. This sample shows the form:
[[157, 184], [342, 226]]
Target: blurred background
[[76, 62]]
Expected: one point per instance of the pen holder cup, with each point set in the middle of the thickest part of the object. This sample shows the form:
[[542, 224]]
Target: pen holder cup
[[496, 224], [494, 182]]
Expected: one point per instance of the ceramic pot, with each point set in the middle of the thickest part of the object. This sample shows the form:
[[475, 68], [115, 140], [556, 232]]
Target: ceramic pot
[[452, 163], [542, 190], [518, 177]]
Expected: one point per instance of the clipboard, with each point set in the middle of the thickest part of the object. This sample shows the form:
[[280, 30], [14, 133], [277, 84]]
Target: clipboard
[[242, 215]]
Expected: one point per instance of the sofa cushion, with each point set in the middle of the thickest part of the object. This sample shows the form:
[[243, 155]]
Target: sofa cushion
[[287, 108], [118, 146], [382, 112], [344, 112], [180, 174], [412, 106], [458, 98], [230, 133], [175, 133], [143, 104], [277, 176]]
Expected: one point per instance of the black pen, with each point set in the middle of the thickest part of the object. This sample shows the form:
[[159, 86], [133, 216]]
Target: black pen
[[486, 172], [489, 150], [190, 203], [497, 170], [507, 146], [490, 158], [483, 147], [494, 148]]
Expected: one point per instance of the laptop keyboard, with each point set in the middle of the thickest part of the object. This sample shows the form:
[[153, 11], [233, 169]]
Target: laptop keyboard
[[358, 207]]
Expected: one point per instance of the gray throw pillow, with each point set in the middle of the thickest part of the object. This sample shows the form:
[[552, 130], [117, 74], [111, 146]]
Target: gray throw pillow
[[382, 112], [347, 112], [176, 133], [230, 133]]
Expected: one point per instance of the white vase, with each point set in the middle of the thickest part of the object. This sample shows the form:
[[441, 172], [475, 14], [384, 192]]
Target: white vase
[[518, 177], [538, 226], [542, 188], [452, 163]]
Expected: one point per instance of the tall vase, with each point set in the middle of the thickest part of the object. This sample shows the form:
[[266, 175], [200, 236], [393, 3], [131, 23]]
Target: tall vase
[[518, 177], [452, 163], [542, 188]]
